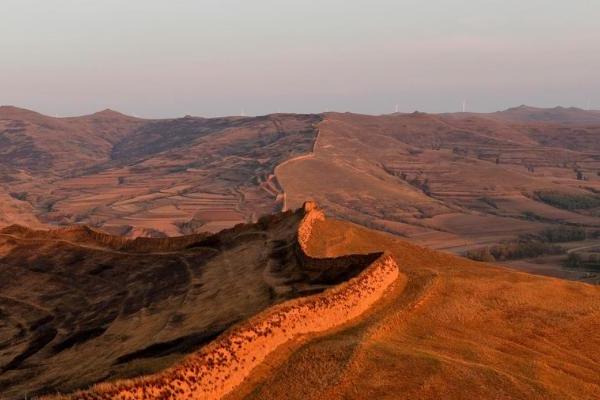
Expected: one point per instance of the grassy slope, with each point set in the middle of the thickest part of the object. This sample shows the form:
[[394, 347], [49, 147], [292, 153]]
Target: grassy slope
[[458, 330]]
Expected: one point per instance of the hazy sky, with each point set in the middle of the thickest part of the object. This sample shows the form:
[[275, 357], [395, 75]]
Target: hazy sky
[[203, 57]]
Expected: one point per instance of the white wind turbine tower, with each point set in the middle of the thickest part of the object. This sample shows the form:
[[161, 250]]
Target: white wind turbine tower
[[464, 106], [397, 108]]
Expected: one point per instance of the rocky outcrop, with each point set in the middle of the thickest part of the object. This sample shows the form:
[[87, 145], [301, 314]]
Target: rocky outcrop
[[219, 367]]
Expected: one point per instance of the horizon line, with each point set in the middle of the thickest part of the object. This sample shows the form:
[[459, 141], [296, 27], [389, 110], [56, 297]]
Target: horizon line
[[132, 115]]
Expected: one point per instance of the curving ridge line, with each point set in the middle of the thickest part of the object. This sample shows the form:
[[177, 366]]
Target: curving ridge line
[[221, 366], [284, 206], [85, 236]]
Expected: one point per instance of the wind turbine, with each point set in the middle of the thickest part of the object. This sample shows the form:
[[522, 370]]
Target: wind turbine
[[464, 106]]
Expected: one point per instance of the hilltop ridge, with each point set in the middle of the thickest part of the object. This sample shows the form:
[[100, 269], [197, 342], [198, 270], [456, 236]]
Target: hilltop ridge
[[415, 339], [220, 367], [457, 182], [131, 307], [454, 329]]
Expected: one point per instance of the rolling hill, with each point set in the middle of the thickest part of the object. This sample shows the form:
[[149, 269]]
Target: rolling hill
[[79, 306], [450, 329], [409, 323], [455, 182], [145, 177]]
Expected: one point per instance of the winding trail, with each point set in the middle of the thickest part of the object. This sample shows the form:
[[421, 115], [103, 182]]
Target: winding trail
[[576, 249]]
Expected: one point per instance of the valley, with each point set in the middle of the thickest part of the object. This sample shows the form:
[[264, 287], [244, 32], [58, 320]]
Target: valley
[[454, 182]]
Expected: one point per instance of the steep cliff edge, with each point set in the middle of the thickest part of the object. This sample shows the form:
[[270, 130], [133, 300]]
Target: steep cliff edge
[[219, 367]]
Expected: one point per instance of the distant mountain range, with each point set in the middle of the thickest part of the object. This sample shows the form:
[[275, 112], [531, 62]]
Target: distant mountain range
[[560, 115], [451, 181], [173, 271]]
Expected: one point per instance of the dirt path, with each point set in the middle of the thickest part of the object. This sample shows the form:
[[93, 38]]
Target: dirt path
[[576, 249]]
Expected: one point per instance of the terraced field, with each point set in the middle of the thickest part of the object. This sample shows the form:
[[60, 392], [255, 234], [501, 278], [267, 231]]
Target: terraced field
[[452, 182], [147, 177], [449, 181]]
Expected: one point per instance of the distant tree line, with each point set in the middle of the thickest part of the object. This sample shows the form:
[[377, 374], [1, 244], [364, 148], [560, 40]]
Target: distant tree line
[[562, 234], [19, 195], [530, 245], [489, 201], [513, 251], [576, 260], [569, 201]]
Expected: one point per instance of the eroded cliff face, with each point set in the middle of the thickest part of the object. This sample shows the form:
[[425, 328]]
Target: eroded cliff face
[[221, 366], [147, 303]]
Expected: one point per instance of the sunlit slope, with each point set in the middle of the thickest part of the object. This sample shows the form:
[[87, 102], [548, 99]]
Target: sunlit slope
[[79, 306], [458, 330], [139, 177], [413, 324], [448, 181], [218, 368]]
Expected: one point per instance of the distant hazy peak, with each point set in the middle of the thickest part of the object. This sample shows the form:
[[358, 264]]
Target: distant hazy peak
[[8, 111]]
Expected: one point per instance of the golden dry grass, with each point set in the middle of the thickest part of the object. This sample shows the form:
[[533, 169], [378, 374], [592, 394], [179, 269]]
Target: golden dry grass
[[451, 182], [452, 329], [458, 330], [220, 367]]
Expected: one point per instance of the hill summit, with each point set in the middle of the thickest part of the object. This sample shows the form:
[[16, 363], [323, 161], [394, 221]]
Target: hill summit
[[425, 324]]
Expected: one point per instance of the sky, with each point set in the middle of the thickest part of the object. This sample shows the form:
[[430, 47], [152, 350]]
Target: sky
[[226, 57]]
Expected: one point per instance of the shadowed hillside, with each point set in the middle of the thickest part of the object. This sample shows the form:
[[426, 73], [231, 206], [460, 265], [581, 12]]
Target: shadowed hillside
[[139, 177], [439, 326], [460, 182], [217, 369], [79, 306]]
